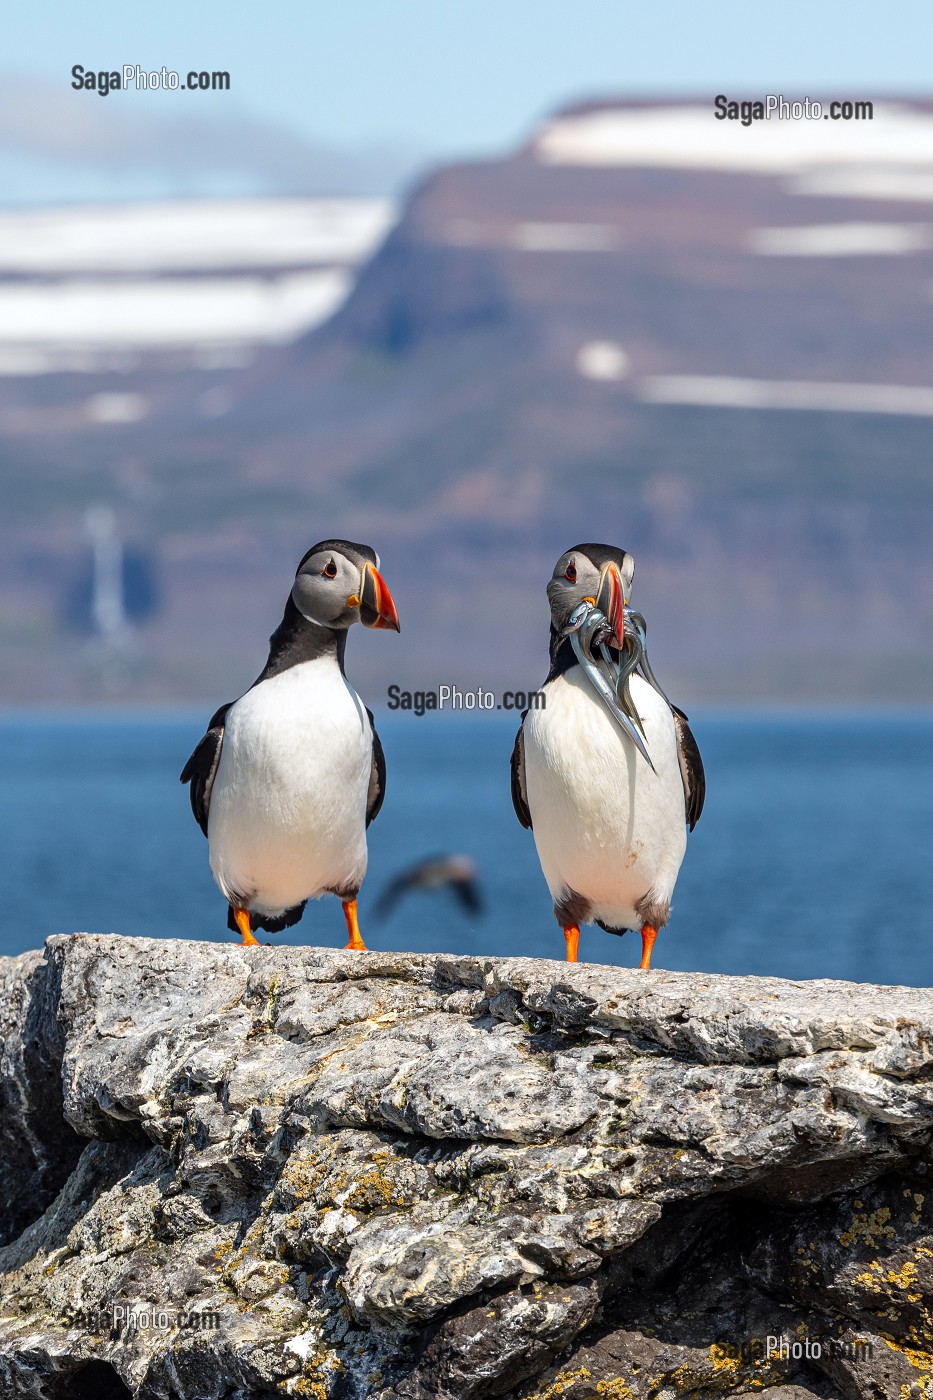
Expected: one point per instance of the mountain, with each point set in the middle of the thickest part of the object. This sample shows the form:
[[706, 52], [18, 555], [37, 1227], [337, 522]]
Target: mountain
[[707, 342]]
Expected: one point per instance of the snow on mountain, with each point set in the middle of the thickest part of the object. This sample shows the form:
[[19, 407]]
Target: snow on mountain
[[76, 284], [199, 234], [691, 137]]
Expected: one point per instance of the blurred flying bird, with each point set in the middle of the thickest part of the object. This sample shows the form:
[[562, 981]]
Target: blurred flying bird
[[607, 773], [287, 778], [456, 873]]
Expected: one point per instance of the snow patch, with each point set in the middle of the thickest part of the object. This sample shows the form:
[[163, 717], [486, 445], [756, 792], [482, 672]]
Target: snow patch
[[116, 408], [690, 137], [715, 391], [841, 240], [894, 183], [194, 236], [602, 359], [565, 238], [167, 312]]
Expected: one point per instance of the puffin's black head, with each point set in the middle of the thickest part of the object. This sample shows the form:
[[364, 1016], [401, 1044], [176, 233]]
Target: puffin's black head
[[594, 573], [338, 583]]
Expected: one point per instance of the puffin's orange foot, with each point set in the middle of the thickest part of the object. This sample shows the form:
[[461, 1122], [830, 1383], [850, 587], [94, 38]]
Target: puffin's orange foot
[[353, 926], [242, 922], [572, 935], [648, 935]]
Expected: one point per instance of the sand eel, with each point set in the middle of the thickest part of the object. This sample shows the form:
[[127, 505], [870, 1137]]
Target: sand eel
[[453, 872], [607, 773], [287, 778]]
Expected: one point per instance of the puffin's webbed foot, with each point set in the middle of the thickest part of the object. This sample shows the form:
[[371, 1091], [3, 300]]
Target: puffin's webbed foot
[[353, 926], [242, 922], [572, 935], [648, 935]]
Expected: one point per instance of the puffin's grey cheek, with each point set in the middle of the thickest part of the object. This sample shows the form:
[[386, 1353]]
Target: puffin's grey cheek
[[554, 591], [306, 600], [563, 598]]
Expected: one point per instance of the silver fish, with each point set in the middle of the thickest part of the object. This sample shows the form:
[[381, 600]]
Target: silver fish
[[637, 621], [622, 671], [604, 687], [627, 669], [577, 618], [589, 633]]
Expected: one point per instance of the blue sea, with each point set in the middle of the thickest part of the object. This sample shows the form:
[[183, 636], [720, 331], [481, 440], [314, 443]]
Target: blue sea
[[812, 859]]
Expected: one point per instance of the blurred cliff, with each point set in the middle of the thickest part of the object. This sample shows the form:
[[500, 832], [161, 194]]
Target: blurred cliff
[[710, 344]]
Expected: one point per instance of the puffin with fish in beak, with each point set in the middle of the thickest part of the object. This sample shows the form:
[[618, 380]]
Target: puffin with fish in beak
[[287, 779], [606, 773]]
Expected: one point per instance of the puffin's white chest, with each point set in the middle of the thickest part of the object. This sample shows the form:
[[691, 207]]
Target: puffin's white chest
[[288, 807], [605, 825]]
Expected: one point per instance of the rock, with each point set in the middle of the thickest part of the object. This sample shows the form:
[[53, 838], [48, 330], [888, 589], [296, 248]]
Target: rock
[[38, 1148], [235, 1173]]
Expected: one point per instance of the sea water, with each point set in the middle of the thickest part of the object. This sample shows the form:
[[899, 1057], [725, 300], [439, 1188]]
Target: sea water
[[812, 859]]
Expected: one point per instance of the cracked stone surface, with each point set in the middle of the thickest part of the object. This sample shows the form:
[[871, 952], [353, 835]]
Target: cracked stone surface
[[338, 1175]]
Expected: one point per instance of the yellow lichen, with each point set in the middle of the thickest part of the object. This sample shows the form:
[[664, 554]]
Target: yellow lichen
[[905, 1277], [320, 1366], [374, 1188], [558, 1386], [922, 1362], [614, 1390], [871, 1229], [721, 1359]]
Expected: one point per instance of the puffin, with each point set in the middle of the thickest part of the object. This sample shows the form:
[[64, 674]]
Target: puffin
[[287, 779], [609, 804]]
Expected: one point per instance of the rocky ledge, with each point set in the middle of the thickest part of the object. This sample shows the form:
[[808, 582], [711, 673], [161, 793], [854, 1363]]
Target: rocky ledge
[[232, 1173]]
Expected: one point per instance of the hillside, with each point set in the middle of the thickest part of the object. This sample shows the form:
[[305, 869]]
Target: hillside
[[710, 344]]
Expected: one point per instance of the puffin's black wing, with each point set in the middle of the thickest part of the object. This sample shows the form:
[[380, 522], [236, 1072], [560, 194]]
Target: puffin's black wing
[[519, 796], [691, 768], [201, 767], [377, 776]]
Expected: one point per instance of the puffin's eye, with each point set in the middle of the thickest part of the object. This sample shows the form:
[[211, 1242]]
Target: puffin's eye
[[330, 569], [571, 572]]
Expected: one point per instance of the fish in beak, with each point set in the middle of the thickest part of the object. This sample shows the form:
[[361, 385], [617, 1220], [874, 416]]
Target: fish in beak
[[377, 608], [610, 599]]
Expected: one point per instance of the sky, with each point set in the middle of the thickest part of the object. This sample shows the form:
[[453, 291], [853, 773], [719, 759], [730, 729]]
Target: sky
[[336, 97], [449, 77]]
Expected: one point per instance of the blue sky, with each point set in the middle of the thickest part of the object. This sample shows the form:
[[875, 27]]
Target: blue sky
[[449, 77]]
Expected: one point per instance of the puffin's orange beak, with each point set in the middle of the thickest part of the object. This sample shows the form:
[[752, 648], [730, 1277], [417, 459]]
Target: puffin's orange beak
[[610, 599], [377, 608]]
